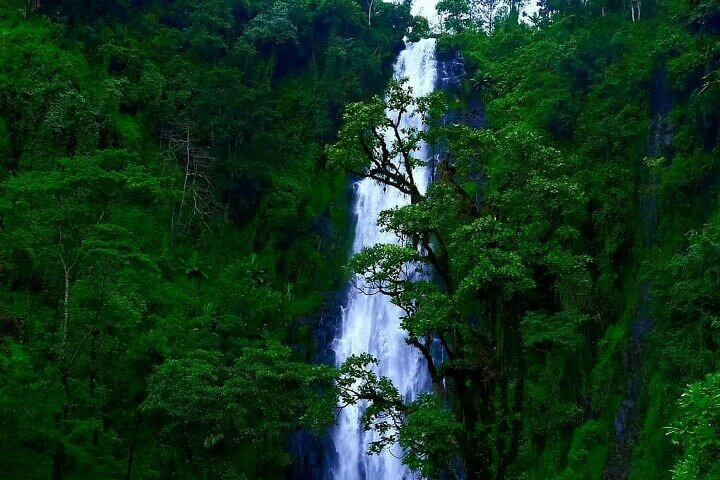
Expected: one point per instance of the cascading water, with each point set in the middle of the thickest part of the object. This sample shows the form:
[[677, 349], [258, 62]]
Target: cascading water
[[371, 323]]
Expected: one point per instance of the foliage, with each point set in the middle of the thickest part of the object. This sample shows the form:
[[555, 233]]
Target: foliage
[[172, 207], [697, 430], [569, 263], [484, 256], [166, 223]]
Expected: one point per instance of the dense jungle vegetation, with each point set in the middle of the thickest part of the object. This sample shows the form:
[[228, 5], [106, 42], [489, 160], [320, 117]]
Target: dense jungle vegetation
[[169, 226], [174, 211]]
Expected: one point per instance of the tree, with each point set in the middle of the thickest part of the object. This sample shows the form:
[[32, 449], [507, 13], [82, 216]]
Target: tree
[[457, 15], [471, 15], [503, 210], [197, 197], [697, 431], [242, 407], [64, 220]]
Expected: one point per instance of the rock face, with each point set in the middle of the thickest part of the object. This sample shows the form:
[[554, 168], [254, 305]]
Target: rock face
[[627, 419], [309, 456], [451, 80], [450, 75], [311, 453]]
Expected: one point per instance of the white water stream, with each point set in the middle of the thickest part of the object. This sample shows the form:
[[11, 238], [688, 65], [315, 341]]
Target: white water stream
[[370, 323]]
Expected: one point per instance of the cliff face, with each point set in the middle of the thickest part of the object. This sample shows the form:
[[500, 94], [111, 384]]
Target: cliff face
[[311, 454], [626, 426], [451, 78]]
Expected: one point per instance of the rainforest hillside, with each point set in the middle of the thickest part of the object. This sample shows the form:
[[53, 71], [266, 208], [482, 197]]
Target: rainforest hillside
[[176, 217], [621, 362], [168, 222]]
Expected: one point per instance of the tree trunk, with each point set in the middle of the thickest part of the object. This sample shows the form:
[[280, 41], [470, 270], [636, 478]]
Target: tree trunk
[[133, 446], [476, 462], [58, 460], [94, 339], [59, 455]]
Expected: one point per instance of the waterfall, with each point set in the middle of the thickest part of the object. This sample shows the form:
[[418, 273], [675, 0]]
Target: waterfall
[[370, 323]]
